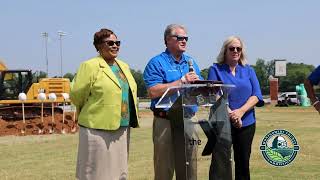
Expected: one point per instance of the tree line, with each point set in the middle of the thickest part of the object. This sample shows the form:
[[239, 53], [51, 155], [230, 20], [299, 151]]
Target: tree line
[[296, 73]]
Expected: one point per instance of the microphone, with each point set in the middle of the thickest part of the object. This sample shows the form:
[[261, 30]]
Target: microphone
[[191, 69], [190, 63]]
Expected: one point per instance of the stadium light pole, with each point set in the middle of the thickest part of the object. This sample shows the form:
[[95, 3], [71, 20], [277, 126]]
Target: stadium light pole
[[45, 36], [61, 33]]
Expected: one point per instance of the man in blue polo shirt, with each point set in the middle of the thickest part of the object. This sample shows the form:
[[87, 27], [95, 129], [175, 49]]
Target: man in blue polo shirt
[[313, 80], [165, 70]]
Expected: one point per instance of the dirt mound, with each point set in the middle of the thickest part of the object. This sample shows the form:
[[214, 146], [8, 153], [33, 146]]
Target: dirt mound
[[32, 126], [36, 127]]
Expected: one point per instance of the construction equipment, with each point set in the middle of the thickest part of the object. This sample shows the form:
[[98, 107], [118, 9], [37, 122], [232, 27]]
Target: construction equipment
[[13, 82]]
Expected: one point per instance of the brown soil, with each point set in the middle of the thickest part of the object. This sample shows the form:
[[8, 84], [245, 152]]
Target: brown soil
[[32, 126]]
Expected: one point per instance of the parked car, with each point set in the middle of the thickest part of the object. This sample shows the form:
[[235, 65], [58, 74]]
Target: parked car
[[288, 98]]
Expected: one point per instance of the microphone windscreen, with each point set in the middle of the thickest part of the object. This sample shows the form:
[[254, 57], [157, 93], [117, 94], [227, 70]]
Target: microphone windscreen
[[190, 63]]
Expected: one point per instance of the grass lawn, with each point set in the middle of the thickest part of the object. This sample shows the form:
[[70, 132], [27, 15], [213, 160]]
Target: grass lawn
[[54, 156]]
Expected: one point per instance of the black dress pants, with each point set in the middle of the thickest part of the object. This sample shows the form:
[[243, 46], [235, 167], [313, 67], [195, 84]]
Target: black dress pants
[[242, 141]]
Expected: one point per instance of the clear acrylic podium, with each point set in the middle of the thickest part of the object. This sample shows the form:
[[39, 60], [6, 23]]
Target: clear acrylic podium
[[200, 126]]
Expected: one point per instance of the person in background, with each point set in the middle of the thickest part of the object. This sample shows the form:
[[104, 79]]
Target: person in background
[[232, 68], [105, 95], [170, 68], [313, 80]]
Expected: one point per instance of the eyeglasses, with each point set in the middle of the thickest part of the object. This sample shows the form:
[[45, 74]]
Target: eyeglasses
[[111, 43], [181, 38], [239, 49]]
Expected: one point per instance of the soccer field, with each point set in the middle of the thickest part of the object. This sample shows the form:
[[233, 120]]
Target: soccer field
[[54, 156]]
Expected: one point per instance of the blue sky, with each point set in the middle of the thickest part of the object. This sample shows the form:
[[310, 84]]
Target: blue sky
[[270, 29]]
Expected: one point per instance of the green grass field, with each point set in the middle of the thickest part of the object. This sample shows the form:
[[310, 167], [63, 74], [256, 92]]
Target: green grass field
[[54, 156]]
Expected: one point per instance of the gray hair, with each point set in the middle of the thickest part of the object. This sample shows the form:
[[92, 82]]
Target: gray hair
[[171, 30]]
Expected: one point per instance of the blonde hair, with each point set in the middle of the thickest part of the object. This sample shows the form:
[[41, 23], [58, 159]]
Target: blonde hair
[[226, 43]]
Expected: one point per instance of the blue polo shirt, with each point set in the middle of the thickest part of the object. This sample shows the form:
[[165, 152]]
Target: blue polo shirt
[[163, 68], [314, 77], [246, 83]]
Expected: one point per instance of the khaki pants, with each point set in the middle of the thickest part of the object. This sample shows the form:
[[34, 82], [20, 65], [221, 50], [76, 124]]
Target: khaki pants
[[163, 158], [103, 155]]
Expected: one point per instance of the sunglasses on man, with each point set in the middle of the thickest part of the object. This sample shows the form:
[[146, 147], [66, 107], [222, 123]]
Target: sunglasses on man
[[181, 38], [232, 49], [111, 43]]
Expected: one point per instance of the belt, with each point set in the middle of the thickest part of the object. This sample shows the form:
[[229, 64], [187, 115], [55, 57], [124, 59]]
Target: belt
[[160, 113]]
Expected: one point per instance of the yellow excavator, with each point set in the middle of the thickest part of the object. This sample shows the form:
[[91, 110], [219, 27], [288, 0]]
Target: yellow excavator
[[13, 82]]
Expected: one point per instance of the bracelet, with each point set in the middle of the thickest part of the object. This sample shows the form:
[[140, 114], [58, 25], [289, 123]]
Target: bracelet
[[315, 103]]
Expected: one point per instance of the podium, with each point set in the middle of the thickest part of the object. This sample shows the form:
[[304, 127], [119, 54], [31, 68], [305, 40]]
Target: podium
[[200, 126]]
